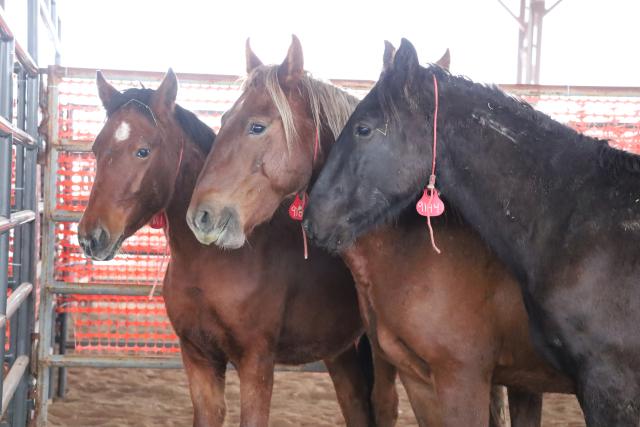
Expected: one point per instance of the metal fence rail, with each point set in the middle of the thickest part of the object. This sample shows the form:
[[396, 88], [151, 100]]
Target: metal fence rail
[[19, 213]]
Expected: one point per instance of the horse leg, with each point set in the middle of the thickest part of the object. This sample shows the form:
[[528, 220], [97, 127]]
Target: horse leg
[[498, 407], [423, 398], [384, 397], [609, 396], [464, 395], [255, 372], [525, 408], [206, 386], [351, 387]]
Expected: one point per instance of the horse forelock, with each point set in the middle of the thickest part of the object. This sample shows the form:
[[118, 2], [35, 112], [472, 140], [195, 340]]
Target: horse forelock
[[138, 98], [390, 96], [141, 99], [326, 101]]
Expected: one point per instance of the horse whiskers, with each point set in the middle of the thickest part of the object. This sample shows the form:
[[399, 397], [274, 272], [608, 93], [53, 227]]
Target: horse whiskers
[[248, 242]]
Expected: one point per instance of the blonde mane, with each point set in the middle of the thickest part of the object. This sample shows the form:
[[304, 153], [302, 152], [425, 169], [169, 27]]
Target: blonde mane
[[326, 101]]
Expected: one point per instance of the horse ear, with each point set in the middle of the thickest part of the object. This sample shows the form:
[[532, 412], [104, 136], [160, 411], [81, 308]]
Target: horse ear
[[405, 62], [253, 61], [292, 68], [387, 57], [105, 90], [167, 91], [445, 61]]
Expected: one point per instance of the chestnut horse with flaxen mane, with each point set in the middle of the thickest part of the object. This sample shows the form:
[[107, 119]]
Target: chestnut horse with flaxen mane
[[253, 307]]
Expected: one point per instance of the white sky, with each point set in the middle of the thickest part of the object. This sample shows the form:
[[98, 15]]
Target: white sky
[[585, 42]]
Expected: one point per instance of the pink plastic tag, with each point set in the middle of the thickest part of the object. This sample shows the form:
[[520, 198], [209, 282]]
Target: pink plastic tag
[[296, 210], [430, 205], [158, 221]]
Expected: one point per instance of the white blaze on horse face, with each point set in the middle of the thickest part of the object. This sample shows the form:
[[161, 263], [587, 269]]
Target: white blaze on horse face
[[123, 132]]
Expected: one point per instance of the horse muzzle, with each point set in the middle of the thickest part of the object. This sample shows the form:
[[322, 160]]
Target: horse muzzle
[[97, 244], [332, 238], [218, 226]]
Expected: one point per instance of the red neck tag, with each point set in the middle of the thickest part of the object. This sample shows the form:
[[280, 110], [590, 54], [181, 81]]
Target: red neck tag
[[296, 209], [430, 204], [158, 221]]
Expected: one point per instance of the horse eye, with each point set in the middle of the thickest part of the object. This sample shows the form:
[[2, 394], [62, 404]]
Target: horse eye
[[143, 153], [363, 131], [257, 129]]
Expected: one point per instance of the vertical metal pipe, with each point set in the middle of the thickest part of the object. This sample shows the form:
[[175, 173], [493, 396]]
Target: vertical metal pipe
[[28, 120], [24, 318], [48, 252], [538, 18], [33, 17], [31, 196], [528, 71], [62, 371], [20, 236], [6, 86], [52, 332], [521, 41]]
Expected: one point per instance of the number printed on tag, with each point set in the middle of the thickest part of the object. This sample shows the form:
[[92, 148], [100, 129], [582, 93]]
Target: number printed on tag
[[430, 204], [296, 209]]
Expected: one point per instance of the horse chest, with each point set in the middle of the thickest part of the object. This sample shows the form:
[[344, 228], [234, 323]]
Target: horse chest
[[202, 322]]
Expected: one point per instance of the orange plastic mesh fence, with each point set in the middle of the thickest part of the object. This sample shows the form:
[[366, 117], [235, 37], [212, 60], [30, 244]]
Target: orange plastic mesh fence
[[616, 119], [108, 324], [137, 325], [138, 263]]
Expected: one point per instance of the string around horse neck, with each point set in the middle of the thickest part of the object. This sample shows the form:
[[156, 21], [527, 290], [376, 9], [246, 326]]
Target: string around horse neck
[[432, 178], [165, 229], [316, 146]]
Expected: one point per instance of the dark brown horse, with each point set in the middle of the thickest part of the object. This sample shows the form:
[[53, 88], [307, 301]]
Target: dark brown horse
[[253, 307], [462, 312]]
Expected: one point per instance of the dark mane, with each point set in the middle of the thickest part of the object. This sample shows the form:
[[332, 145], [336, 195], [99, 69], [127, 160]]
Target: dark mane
[[490, 101], [618, 161], [197, 130]]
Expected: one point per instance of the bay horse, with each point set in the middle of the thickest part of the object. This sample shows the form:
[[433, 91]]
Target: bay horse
[[253, 307], [271, 147], [559, 208]]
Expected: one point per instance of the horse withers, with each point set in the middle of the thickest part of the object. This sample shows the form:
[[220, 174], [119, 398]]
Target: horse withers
[[270, 149], [557, 207], [253, 307]]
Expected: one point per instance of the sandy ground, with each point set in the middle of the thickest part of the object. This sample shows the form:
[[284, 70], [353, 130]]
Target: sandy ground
[[145, 397]]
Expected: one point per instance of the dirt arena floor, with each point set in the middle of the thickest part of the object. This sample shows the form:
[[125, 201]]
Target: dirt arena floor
[[146, 398]]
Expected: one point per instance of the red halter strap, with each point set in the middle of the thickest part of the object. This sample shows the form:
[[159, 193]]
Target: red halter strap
[[296, 209]]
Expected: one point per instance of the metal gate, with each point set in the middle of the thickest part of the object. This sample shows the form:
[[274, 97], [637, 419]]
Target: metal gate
[[19, 219], [104, 313]]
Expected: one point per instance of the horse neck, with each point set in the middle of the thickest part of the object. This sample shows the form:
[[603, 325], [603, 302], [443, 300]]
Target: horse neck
[[185, 182], [511, 177], [326, 141]]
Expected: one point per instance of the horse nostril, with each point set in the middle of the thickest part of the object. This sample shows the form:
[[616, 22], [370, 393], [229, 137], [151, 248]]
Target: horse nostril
[[99, 239], [203, 220], [84, 245], [96, 240]]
